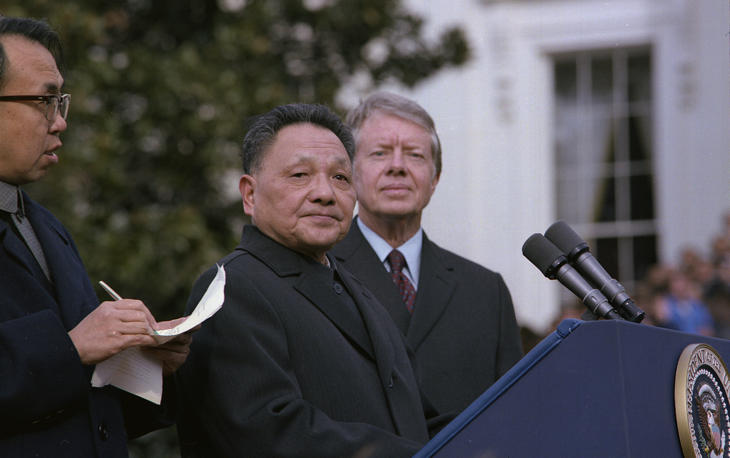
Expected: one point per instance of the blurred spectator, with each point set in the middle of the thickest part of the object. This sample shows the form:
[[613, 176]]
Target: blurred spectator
[[681, 307], [698, 270], [694, 296], [716, 291]]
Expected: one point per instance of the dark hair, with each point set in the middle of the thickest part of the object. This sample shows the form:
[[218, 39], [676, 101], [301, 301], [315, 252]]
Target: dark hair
[[264, 128], [34, 30], [396, 105]]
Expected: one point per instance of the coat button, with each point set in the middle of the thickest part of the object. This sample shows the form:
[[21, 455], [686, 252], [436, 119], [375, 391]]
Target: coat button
[[103, 432], [391, 380], [338, 288]]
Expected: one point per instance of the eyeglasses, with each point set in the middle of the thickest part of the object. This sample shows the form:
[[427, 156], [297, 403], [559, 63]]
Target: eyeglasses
[[53, 104]]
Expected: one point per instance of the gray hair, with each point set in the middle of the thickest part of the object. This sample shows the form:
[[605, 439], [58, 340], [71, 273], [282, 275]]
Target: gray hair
[[396, 105]]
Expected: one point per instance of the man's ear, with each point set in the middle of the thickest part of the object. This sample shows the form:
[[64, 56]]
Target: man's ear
[[247, 186], [435, 181]]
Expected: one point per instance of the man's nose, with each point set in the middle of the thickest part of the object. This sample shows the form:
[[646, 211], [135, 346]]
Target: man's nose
[[322, 190], [58, 125], [397, 162]]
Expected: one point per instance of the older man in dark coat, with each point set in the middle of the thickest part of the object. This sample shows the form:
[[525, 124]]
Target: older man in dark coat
[[301, 360], [457, 316]]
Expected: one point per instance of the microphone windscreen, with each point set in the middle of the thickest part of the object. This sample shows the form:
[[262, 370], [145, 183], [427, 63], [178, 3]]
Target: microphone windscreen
[[563, 236], [541, 252]]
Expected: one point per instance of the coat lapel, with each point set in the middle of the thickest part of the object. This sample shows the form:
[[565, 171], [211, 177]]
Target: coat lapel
[[372, 316], [360, 259], [19, 252], [388, 345], [435, 287], [346, 320], [287, 263], [71, 286], [16, 249]]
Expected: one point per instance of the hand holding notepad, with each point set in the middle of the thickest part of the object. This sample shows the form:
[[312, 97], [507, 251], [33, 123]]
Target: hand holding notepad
[[138, 373]]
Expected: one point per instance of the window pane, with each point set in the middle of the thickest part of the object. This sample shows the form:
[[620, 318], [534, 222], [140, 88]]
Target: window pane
[[642, 197], [602, 84], [639, 78], [565, 84], [605, 204], [640, 138], [606, 251], [603, 137], [645, 254]]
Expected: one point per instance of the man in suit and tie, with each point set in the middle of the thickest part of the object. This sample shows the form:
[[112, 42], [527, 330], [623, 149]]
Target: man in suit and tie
[[457, 316], [301, 360], [52, 328]]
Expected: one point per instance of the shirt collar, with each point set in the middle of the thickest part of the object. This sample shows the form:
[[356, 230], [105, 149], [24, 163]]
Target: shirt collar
[[9, 197], [411, 249]]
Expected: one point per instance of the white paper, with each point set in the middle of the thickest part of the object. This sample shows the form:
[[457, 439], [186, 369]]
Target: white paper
[[208, 305], [138, 373], [131, 370]]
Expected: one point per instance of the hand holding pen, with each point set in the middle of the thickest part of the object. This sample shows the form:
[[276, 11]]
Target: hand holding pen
[[112, 327], [171, 354]]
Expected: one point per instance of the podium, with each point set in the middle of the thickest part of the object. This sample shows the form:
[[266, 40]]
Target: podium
[[589, 389]]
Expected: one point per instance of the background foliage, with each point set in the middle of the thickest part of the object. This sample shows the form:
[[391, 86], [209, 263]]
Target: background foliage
[[161, 94]]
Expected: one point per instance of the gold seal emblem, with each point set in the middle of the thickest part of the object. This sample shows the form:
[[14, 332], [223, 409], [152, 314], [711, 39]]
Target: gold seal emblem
[[701, 387]]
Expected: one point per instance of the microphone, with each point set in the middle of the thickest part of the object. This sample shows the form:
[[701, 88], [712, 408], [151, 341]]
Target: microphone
[[579, 254], [554, 265]]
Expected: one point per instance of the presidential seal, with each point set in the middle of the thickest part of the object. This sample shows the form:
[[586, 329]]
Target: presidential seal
[[701, 387]]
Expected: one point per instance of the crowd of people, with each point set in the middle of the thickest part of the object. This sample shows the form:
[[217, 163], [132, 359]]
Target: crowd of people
[[692, 295]]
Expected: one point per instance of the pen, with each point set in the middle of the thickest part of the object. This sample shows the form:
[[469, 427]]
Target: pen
[[111, 292], [117, 297]]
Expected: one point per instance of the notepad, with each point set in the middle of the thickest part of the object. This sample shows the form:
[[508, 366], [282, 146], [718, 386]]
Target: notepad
[[135, 371]]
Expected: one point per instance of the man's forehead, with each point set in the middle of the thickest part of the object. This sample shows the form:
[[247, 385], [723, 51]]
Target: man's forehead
[[385, 124], [30, 62], [302, 156], [304, 140], [311, 154]]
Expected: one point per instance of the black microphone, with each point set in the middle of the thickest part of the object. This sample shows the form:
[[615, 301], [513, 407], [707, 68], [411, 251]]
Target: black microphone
[[554, 265], [579, 255]]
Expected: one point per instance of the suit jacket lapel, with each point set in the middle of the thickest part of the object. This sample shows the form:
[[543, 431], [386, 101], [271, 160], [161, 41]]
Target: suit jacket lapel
[[387, 341], [435, 287], [360, 259], [373, 318], [346, 320], [17, 250], [287, 263], [71, 286]]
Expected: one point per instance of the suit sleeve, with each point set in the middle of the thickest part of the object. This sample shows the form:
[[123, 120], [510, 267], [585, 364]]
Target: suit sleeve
[[240, 395], [42, 378], [510, 345], [41, 375]]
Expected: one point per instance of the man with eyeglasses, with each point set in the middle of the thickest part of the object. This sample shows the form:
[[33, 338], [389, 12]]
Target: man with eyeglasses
[[52, 328]]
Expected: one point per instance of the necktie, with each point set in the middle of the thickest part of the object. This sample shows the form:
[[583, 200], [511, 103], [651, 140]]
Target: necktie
[[31, 241], [407, 291]]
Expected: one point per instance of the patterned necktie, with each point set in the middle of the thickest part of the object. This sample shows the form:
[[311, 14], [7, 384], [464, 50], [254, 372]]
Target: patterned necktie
[[31, 240], [407, 291]]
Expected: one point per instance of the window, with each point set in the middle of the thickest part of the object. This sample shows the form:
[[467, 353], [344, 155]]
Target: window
[[603, 152]]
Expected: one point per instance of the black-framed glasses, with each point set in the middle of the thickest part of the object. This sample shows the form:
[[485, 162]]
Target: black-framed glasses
[[53, 104]]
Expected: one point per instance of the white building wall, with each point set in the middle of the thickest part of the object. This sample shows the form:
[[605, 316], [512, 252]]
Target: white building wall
[[494, 119]]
